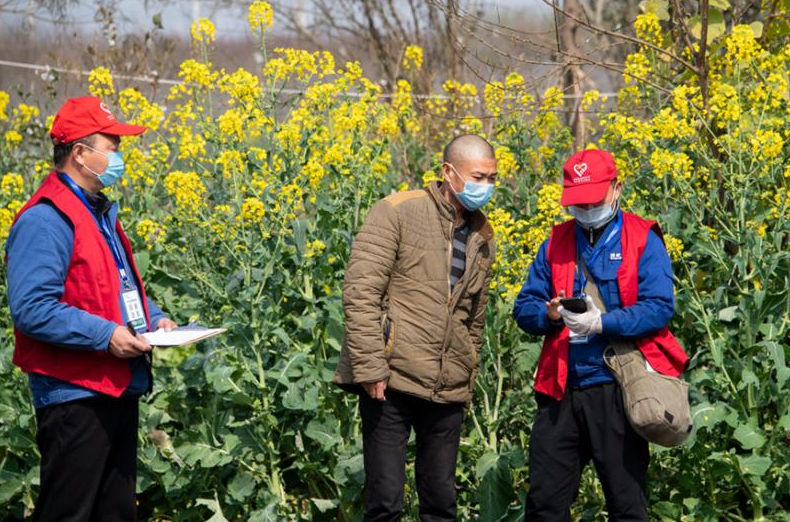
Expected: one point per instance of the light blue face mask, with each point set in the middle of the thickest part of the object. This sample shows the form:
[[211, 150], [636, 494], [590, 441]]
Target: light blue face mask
[[474, 195], [596, 216], [115, 167]]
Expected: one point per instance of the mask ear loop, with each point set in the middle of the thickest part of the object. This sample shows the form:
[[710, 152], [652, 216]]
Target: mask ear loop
[[97, 174], [459, 177]]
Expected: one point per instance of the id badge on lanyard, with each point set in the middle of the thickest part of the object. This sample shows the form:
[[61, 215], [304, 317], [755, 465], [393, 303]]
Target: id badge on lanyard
[[134, 308], [135, 313]]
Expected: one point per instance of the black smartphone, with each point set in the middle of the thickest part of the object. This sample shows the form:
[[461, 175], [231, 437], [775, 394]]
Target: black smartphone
[[576, 305]]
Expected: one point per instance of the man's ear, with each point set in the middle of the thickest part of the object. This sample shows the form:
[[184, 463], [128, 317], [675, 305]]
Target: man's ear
[[446, 170], [77, 150]]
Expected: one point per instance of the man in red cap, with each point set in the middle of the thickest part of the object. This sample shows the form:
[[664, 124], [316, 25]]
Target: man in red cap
[[78, 305], [621, 258]]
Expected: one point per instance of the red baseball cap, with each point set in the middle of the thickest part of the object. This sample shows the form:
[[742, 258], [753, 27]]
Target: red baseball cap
[[80, 117], [586, 177]]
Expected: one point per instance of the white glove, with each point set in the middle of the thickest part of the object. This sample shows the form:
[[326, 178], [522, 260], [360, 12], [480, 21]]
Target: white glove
[[586, 323]]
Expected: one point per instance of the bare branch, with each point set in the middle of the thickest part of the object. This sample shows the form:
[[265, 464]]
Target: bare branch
[[626, 37]]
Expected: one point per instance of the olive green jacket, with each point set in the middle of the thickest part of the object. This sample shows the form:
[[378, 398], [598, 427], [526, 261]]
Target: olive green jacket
[[402, 322]]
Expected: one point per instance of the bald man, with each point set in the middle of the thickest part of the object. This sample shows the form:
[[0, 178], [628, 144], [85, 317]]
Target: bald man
[[415, 297]]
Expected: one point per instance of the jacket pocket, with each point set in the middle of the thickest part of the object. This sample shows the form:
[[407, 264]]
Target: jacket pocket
[[389, 332]]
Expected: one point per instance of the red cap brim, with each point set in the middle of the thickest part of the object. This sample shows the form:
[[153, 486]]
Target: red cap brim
[[587, 194], [123, 129]]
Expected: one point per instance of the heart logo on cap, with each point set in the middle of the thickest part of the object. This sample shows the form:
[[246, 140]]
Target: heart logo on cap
[[580, 169], [105, 109]]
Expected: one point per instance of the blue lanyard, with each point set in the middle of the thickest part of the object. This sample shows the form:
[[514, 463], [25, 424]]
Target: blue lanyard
[[104, 227], [598, 249]]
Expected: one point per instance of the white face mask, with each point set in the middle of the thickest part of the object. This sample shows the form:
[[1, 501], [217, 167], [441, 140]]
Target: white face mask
[[596, 216]]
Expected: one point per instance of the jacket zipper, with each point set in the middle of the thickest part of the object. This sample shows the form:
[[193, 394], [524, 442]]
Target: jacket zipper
[[471, 253], [448, 323], [450, 264]]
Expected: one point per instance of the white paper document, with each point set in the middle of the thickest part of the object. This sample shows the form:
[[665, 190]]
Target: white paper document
[[181, 336]]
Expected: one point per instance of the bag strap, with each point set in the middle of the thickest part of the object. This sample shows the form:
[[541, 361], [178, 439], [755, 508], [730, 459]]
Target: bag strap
[[623, 349]]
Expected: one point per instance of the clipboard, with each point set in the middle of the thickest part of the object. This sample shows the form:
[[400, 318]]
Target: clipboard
[[181, 336]]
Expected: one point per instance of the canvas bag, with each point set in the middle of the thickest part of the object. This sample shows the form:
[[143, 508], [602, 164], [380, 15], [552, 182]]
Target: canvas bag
[[656, 405]]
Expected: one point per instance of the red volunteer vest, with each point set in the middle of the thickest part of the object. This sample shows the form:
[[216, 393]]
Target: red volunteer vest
[[92, 284], [661, 349]]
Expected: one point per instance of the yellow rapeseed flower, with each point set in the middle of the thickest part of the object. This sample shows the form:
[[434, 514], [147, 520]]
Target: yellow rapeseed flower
[[203, 30], [12, 139], [252, 210], [260, 17], [637, 67], [151, 232], [412, 58], [232, 162], [647, 28], [742, 46], [4, 101], [24, 114], [6, 218], [101, 83], [674, 247], [507, 166], [315, 248], [667, 163], [12, 185], [766, 144], [188, 191]]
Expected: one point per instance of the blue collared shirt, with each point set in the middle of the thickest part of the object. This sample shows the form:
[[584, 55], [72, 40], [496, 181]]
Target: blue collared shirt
[[652, 311], [39, 249]]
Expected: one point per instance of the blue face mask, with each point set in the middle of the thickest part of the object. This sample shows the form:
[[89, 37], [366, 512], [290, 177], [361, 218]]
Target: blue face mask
[[474, 195], [115, 167], [596, 216]]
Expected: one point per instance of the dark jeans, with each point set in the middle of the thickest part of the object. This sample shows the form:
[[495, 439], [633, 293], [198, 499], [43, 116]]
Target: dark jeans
[[88, 461], [385, 428], [587, 424]]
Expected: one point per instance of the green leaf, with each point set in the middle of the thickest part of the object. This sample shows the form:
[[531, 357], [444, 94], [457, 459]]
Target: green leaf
[[667, 510], [728, 314], [300, 235], [749, 436], [777, 353], [708, 415], [723, 5], [716, 352], [716, 26], [322, 433], [754, 464], [214, 507], [324, 505], [660, 8], [496, 491], [485, 463], [296, 398], [241, 487], [748, 377], [143, 260], [10, 485]]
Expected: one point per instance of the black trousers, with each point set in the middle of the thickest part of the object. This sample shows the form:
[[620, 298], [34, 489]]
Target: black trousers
[[88, 461], [587, 424], [386, 427]]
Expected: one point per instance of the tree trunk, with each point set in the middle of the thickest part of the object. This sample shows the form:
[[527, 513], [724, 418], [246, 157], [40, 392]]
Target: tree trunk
[[572, 75]]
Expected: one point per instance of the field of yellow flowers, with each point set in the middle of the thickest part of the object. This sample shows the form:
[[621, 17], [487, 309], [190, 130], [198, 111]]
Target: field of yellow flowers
[[244, 198]]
